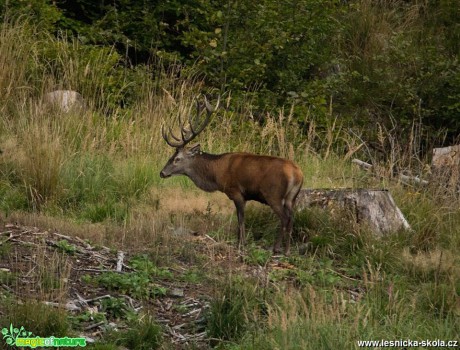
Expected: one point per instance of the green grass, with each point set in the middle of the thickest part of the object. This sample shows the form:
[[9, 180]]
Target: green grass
[[101, 346], [5, 249], [143, 334], [257, 256], [138, 284], [66, 247], [8, 278], [235, 307], [341, 283], [35, 317], [316, 319]]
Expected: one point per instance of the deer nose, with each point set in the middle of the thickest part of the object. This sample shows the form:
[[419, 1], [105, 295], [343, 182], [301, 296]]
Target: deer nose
[[164, 175]]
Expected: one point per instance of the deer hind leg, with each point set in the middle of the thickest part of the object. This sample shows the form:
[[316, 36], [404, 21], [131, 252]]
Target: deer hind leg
[[279, 210], [288, 212], [288, 207]]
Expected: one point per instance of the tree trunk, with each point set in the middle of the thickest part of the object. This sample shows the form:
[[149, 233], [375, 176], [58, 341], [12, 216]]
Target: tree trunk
[[374, 208]]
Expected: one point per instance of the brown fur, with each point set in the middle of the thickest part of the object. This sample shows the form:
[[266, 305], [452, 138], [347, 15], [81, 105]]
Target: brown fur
[[243, 176]]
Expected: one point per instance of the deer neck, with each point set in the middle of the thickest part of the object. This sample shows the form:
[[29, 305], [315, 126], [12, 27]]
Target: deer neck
[[203, 171]]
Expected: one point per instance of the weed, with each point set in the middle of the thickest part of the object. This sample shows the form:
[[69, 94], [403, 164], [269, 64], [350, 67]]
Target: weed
[[143, 334], [103, 346], [262, 223], [53, 272], [257, 256], [193, 276], [107, 209], [232, 309], [440, 300], [5, 250], [35, 317], [66, 247], [99, 167], [135, 284], [12, 198], [115, 307], [79, 321], [181, 308], [305, 272], [138, 285], [86, 279], [159, 290], [7, 278], [142, 263]]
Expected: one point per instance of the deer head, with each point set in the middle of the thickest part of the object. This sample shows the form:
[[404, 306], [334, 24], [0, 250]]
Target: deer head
[[190, 128]]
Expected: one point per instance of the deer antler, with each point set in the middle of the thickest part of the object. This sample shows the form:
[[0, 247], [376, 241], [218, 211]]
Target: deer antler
[[188, 135]]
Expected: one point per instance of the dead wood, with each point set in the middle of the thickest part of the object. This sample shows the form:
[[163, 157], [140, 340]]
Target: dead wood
[[372, 207]]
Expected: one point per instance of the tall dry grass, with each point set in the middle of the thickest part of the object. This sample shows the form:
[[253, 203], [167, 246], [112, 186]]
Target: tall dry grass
[[68, 161], [95, 173]]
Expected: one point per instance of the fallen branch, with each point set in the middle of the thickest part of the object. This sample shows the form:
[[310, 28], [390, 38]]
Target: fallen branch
[[6, 287], [342, 275], [120, 257], [92, 326], [210, 238], [362, 164], [96, 270], [98, 298], [8, 239], [62, 236], [413, 179], [14, 238], [88, 246], [69, 306], [404, 178]]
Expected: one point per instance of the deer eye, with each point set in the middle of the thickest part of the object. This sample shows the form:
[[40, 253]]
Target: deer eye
[[176, 160]]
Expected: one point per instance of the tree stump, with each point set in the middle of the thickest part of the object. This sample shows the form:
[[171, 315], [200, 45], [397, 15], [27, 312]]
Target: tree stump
[[372, 207], [445, 167]]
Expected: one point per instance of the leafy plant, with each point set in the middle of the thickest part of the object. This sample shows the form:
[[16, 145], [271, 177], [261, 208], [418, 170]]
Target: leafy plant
[[257, 256], [66, 247], [142, 263], [194, 276], [135, 284], [80, 320], [115, 307], [138, 284]]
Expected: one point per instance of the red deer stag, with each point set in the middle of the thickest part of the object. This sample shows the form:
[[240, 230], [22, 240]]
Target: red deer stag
[[241, 176]]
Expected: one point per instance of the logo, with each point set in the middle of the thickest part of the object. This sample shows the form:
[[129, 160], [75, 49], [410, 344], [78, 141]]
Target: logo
[[21, 338]]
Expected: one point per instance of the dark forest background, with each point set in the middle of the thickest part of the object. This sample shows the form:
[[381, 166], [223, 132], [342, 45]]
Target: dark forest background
[[364, 63]]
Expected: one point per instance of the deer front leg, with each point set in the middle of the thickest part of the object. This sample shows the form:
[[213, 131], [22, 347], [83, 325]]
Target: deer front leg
[[240, 204]]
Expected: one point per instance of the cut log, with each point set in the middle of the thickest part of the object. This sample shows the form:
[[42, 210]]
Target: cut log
[[372, 207], [445, 167]]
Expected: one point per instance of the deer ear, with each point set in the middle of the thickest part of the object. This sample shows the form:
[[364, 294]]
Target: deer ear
[[194, 150]]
